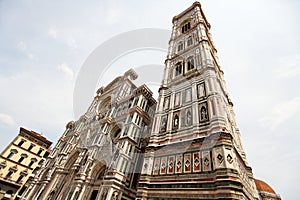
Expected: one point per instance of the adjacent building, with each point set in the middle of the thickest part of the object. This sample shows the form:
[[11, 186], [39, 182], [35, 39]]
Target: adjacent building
[[19, 160]]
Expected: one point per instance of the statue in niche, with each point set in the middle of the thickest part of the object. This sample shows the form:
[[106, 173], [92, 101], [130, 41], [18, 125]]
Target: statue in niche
[[163, 127], [203, 113], [201, 90], [176, 121], [188, 117]]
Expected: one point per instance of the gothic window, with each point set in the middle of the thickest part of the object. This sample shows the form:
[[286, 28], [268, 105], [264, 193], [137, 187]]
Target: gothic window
[[163, 126], [176, 121], [190, 63], [186, 27], [203, 113], [189, 41], [180, 47], [178, 69]]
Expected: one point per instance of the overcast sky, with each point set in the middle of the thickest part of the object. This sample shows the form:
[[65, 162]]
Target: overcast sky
[[43, 45]]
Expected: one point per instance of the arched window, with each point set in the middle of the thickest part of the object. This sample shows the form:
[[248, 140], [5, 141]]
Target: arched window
[[178, 69], [190, 63]]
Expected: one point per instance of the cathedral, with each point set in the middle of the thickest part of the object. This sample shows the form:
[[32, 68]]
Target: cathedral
[[184, 145]]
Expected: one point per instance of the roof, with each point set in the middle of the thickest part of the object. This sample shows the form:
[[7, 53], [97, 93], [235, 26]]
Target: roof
[[263, 186], [36, 135]]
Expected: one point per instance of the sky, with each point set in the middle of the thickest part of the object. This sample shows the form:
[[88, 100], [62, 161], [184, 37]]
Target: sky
[[44, 44]]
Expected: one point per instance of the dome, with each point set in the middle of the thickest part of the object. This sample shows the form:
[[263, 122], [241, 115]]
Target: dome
[[263, 186]]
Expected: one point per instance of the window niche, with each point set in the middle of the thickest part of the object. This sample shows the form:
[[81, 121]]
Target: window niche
[[188, 117], [201, 90], [166, 103], [176, 120], [163, 124], [177, 99], [188, 95]]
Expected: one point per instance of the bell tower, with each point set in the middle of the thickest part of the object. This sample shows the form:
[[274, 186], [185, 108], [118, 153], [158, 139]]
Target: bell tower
[[195, 149]]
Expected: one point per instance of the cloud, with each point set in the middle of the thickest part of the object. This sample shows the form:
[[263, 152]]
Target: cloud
[[281, 113], [66, 70], [71, 42], [113, 15], [63, 35], [22, 46], [6, 119], [53, 33], [289, 66]]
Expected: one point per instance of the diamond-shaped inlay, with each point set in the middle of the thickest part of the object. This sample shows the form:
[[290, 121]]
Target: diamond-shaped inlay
[[145, 165], [187, 163], [163, 165], [220, 158], [179, 163], [229, 158], [156, 166], [196, 162], [206, 161], [171, 164]]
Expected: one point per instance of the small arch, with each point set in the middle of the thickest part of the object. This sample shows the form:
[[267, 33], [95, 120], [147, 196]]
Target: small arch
[[70, 162]]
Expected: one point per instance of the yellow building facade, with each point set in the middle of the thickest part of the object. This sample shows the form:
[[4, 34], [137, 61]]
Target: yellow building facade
[[19, 160]]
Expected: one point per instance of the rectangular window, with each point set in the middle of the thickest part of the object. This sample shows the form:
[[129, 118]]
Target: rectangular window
[[30, 147]]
